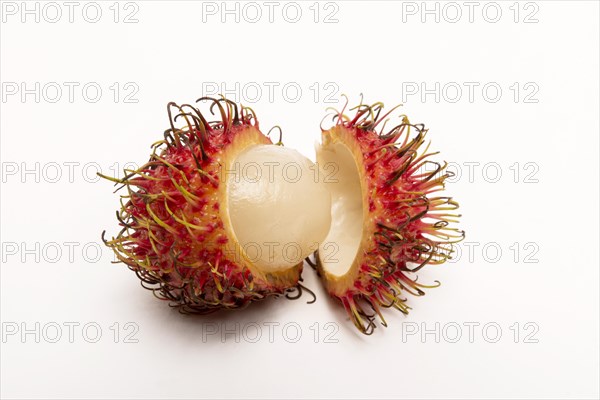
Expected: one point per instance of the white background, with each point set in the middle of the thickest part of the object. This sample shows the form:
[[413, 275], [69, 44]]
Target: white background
[[374, 48]]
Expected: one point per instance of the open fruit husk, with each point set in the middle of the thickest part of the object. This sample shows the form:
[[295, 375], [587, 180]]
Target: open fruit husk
[[388, 217]]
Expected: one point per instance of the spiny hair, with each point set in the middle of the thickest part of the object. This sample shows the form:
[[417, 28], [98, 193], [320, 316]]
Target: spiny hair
[[419, 230]]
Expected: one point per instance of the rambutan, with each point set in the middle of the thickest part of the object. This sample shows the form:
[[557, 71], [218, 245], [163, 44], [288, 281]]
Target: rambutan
[[388, 220], [217, 218]]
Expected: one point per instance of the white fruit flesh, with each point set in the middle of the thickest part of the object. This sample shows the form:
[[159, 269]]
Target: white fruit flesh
[[340, 247], [279, 210]]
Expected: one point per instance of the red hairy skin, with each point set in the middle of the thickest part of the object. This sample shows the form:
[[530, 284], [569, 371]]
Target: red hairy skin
[[175, 234], [407, 224]]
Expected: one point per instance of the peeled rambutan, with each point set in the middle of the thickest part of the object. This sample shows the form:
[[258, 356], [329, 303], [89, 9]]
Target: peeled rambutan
[[219, 216], [388, 220]]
